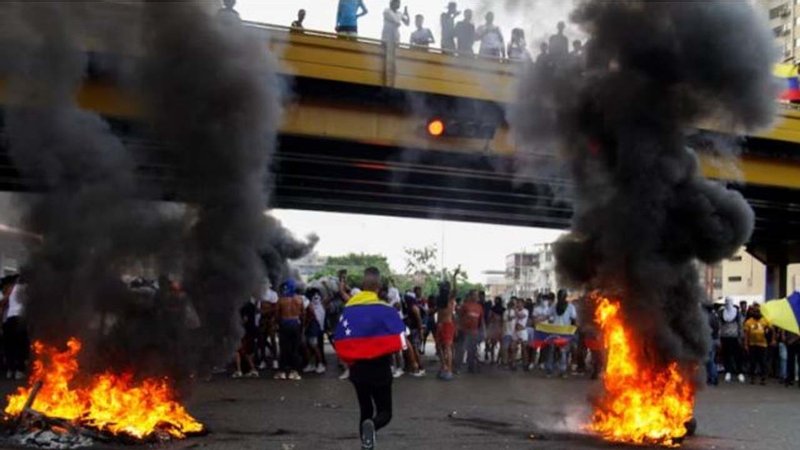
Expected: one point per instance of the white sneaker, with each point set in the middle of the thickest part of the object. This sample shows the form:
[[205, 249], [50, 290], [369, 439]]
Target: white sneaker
[[728, 377], [252, 374], [418, 374], [279, 376], [320, 369], [741, 378], [274, 364], [308, 369], [19, 375], [398, 373], [237, 374], [345, 375], [293, 375], [262, 366]]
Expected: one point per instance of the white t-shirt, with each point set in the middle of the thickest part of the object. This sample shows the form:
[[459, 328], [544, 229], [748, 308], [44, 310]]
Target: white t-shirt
[[492, 37], [271, 297], [540, 313], [509, 320], [15, 301], [522, 318], [566, 318], [391, 25]]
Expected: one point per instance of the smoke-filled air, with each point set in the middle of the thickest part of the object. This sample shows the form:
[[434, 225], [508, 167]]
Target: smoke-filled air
[[643, 213], [213, 100]]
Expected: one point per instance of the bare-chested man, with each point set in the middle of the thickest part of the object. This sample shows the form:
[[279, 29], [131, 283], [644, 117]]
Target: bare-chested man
[[446, 327], [289, 315]]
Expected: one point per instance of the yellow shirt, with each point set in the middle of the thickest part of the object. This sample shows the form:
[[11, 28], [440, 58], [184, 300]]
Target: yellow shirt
[[756, 331]]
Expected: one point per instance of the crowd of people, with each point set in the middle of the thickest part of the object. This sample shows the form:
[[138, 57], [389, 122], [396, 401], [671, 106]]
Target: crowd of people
[[746, 346], [457, 37], [286, 330]]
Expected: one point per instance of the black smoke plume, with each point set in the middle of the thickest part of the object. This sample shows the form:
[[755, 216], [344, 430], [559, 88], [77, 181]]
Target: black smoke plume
[[214, 96], [643, 213], [92, 224], [213, 99]]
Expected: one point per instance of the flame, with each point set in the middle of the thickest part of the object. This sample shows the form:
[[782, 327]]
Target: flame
[[108, 402], [640, 404]]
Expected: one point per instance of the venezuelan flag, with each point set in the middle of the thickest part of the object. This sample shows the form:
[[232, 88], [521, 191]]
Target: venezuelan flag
[[559, 335], [789, 75], [368, 328], [784, 313]]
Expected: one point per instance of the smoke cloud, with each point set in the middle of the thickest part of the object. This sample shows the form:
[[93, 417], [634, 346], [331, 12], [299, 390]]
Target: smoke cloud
[[643, 213], [214, 103]]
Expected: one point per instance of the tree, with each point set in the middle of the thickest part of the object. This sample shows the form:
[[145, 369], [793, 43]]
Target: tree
[[421, 268], [354, 263]]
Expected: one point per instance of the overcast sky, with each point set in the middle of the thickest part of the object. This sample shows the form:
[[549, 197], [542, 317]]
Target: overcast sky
[[476, 247], [537, 17]]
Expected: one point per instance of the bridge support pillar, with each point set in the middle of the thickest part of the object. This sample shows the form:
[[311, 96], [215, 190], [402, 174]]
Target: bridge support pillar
[[777, 275]]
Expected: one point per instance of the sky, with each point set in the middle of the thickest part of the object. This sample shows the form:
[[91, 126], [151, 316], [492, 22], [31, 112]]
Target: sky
[[537, 17], [476, 247]]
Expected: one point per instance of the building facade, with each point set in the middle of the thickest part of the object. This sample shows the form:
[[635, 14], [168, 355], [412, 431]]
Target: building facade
[[784, 20], [531, 273]]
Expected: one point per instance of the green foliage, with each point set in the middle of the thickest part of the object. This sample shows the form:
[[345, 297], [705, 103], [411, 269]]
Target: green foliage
[[354, 263]]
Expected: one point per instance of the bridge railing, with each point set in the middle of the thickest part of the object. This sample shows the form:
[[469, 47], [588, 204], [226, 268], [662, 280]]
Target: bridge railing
[[325, 55]]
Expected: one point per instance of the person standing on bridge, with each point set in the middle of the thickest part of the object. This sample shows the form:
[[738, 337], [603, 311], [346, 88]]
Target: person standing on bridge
[[448, 22], [347, 17], [465, 35], [422, 37], [393, 19], [297, 25], [492, 42], [369, 332]]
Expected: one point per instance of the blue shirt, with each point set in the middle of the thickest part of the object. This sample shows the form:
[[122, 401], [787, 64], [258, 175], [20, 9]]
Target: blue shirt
[[348, 13]]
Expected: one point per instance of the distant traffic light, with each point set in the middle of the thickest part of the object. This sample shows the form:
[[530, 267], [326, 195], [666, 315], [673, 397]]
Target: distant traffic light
[[469, 129]]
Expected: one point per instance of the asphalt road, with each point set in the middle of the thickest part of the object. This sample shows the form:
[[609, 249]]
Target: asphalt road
[[497, 409]]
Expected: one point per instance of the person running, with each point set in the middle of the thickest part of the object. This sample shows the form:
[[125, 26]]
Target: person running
[[290, 325], [447, 20], [445, 327], [731, 334], [369, 333], [756, 342], [347, 17], [422, 37]]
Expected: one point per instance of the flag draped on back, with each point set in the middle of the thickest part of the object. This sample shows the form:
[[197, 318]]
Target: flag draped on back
[[367, 329], [784, 313], [559, 335]]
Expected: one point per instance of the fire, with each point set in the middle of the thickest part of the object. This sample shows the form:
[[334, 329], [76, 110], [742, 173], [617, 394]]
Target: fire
[[640, 404], [107, 402]]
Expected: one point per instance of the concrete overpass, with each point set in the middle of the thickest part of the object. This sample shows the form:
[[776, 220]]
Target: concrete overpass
[[352, 141]]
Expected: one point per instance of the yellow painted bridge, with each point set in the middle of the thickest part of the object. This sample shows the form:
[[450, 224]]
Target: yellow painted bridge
[[353, 140]]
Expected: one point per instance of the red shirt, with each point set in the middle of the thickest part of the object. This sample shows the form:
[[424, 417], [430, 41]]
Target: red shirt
[[471, 314]]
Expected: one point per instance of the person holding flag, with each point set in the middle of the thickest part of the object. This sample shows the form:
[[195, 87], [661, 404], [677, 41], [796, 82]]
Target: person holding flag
[[368, 333]]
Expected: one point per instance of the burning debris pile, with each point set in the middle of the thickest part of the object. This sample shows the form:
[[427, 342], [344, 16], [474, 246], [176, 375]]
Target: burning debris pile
[[62, 405], [644, 214]]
